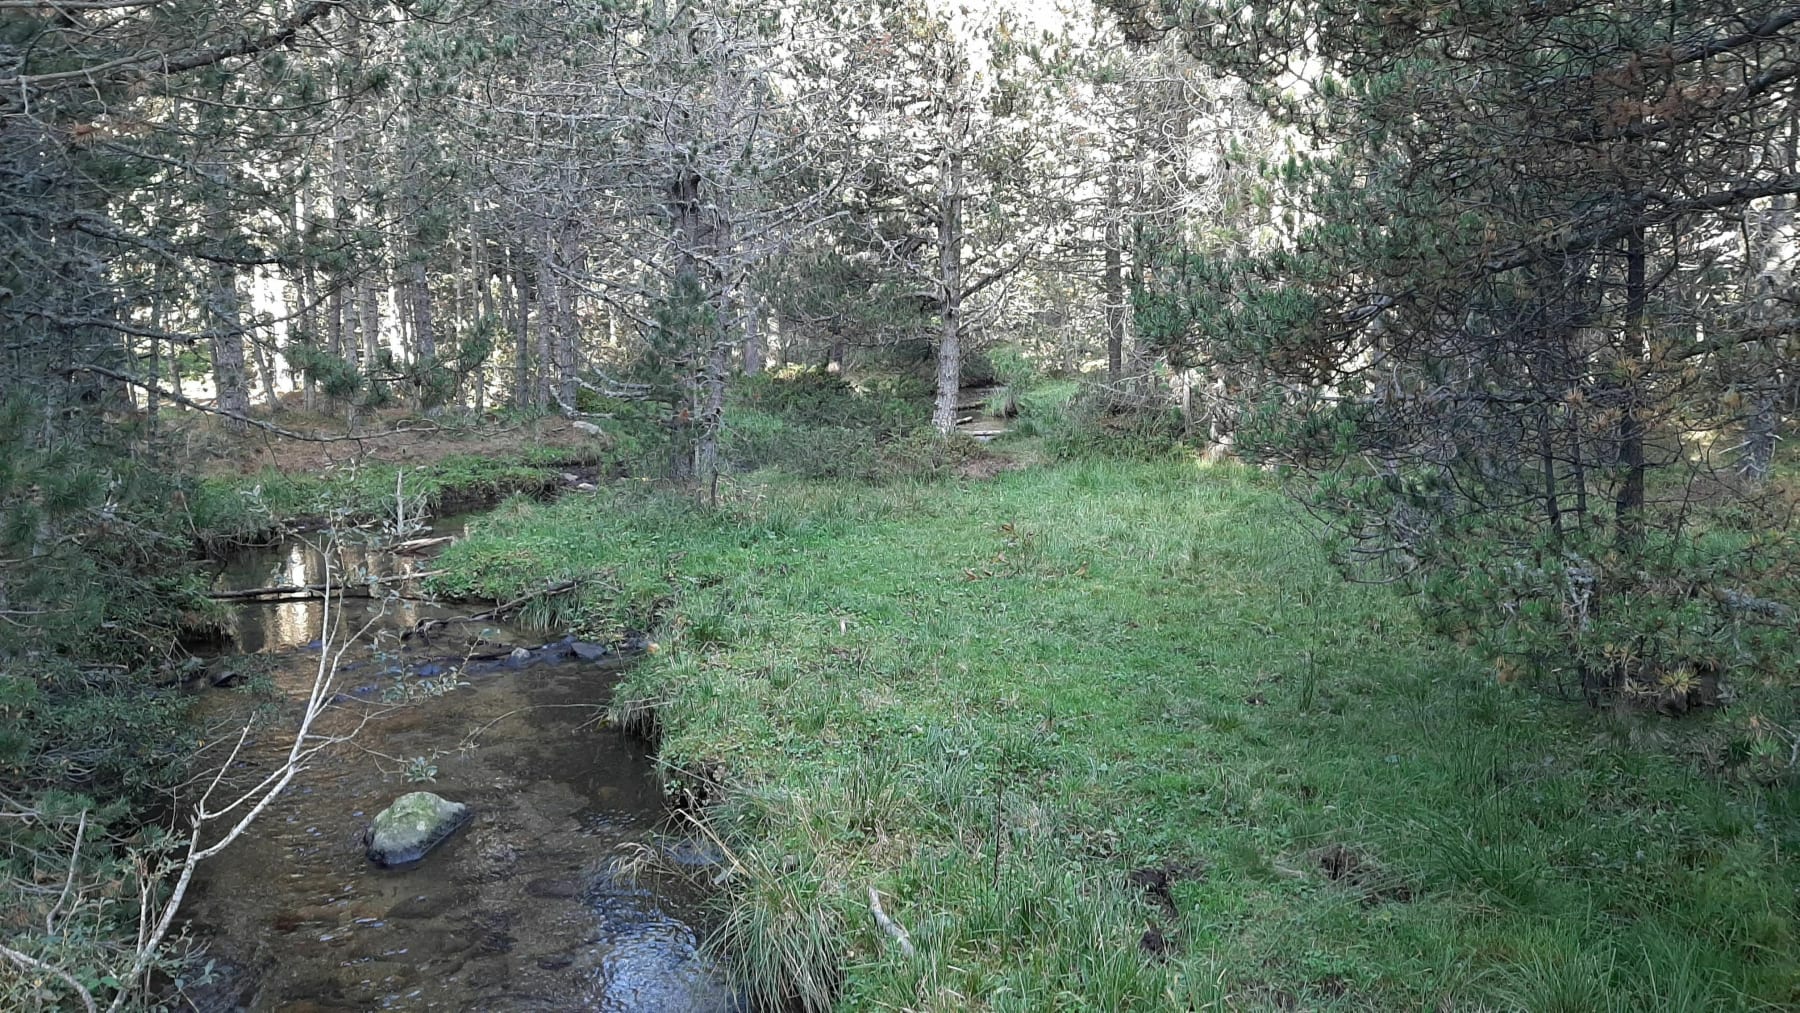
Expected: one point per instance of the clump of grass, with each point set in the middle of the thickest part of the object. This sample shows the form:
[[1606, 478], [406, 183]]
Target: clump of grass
[[992, 703], [784, 933]]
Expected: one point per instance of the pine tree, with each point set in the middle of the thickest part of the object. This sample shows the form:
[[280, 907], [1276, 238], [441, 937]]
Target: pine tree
[[1510, 301]]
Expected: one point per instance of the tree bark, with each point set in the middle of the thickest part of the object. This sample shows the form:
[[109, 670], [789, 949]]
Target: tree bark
[[424, 322], [478, 250], [1113, 280], [226, 306], [952, 191], [371, 319], [569, 255], [521, 333], [1629, 505], [753, 336], [271, 371]]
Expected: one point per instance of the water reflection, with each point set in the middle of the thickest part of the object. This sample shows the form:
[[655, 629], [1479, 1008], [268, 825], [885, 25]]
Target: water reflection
[[293, 621]]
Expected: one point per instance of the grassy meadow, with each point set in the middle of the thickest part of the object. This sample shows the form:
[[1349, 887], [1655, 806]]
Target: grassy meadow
[[1111, 736]]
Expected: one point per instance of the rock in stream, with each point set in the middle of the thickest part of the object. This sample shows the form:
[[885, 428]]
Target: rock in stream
[[416, 822]]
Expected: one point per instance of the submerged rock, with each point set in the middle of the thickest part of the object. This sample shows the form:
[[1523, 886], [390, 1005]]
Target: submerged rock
[[413, 825], [590, 652], [694, 853]]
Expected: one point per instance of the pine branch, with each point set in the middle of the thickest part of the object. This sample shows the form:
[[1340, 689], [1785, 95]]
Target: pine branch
[[157, 62]]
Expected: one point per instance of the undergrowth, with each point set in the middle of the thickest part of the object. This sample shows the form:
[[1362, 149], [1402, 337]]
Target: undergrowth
[[94, 594], [817, 425], [1134, 419], [1112, 736]]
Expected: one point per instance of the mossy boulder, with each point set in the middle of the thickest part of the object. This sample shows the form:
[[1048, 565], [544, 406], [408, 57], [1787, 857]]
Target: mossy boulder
[[416, 822]]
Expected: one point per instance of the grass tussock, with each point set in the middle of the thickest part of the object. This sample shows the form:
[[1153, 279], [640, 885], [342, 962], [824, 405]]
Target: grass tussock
[[1110, 736]]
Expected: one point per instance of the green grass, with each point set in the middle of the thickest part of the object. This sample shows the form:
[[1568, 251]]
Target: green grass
[[248, 508], [992, 701]]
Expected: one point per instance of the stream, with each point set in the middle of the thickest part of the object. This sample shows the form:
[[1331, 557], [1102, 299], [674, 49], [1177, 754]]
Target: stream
[[543, 901]]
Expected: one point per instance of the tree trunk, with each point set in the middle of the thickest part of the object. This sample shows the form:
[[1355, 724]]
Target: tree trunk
[[569, 255], [271, 375], [1757, 457], [1547, 460], [371, 319], [228, 350], [302, 316], [690, 231], [424, 322], [753, 336], [424, 341], [549, 321], [478, 249], [951, 193], [1763, 266], [1113, 281], [521, 333], [152, 399], [343, 322], [226, 324], [1629, 505]]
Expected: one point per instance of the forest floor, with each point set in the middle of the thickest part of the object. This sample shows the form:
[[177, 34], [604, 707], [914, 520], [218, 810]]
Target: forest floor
[[1112, 736], [395, 437], [258, 482]]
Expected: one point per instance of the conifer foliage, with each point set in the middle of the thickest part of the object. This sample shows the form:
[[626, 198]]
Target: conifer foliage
[[1531, 317]]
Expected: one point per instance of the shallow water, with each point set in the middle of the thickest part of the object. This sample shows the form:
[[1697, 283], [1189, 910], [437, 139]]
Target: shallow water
[[300, 561], [524, 908]]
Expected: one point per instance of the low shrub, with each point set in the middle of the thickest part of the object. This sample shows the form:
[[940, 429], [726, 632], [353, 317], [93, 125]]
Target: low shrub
[[816, 425], [814, 398], [1015, 375], [1105, 421]]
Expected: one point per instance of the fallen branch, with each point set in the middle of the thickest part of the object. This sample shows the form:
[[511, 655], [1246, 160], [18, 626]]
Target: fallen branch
[[283, 592], [287, 592], [423, 627], [421, 544], [890, 926], [1745, 603]]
